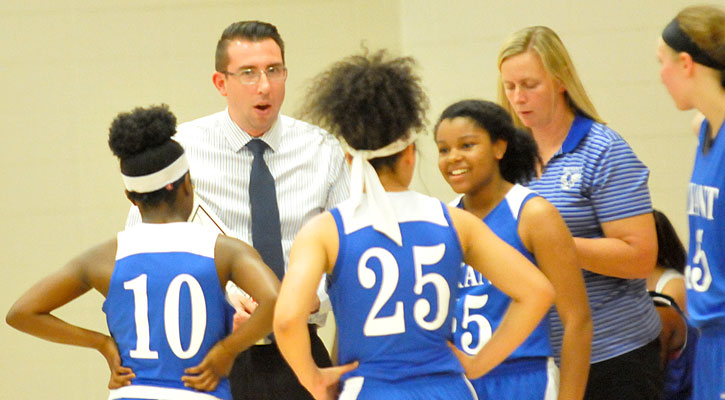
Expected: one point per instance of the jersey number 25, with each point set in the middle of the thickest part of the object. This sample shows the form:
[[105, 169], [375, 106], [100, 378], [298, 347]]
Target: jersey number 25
[[394, 324]]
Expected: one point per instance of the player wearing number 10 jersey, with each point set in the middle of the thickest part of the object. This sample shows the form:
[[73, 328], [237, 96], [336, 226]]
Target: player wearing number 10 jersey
[[165, 307], [392, 255], [163, 280]]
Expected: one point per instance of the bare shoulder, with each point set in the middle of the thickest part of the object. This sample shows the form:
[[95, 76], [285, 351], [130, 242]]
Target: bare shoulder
[[320, 225], [103, 253], [460, 216], [228, 243], [540, 218], [465, 224], [538, 209], [95, 265]]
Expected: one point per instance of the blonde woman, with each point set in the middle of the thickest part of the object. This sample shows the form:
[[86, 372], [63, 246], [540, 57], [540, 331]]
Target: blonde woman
[[599, 186], [691, 52]]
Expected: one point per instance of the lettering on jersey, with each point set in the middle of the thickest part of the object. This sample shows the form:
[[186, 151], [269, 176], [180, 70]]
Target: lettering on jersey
[[470, 277], [697, 274], [701, 200], [570, 177]]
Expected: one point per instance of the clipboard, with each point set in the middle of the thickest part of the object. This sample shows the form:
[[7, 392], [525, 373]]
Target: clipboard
[[203, 215]]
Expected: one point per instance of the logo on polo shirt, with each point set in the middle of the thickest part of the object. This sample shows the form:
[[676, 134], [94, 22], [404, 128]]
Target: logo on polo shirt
[[570, 177]]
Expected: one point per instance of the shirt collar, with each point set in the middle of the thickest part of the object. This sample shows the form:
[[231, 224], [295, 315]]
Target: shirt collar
[[579, 129], [238, 138]]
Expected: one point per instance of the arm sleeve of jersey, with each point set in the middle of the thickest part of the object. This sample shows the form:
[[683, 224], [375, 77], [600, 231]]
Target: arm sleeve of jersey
[[619, 184]]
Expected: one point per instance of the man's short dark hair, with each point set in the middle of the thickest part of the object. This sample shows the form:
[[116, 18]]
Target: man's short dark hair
[[254, 31]]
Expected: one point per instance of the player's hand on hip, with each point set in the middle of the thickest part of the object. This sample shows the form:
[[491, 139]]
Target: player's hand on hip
[[465, 360], [216, 365], [120, 375], [325, 386]]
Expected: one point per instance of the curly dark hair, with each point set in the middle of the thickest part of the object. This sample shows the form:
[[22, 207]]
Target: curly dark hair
[[370, 100], [519, 163], [670, 251], [141, 139]]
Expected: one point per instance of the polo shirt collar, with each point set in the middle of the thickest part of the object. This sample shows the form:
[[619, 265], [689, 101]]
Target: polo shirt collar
[[579, 129], [238, 138]]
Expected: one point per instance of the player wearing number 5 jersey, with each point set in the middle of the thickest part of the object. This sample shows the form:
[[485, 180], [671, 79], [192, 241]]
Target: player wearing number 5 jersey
[[691, 52], [163, 281], [393, 255], [483, 156]]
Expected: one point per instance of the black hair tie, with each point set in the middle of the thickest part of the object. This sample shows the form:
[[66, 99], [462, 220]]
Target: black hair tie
[[679, 41]]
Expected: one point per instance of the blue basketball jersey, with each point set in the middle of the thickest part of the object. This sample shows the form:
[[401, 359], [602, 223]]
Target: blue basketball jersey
[[165, 308], [705, 273], [393, 305], [481, 306]]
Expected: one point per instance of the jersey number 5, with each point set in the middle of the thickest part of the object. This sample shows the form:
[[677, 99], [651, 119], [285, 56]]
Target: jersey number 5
[[395, 324]]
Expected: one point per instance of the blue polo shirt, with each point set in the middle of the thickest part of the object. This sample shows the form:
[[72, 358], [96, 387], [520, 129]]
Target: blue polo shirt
[[595, 177]]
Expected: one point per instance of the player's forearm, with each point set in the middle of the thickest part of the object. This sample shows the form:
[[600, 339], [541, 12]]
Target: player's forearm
[[517, 324], [615, 257], [575, 352], [293, 340], [48, 327], [255, 328]]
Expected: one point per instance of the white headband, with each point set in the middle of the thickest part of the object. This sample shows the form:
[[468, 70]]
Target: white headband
[[157, 180], [365, 182]]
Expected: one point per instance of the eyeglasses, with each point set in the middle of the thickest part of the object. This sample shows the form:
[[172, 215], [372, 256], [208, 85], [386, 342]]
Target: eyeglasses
[[250, 76]]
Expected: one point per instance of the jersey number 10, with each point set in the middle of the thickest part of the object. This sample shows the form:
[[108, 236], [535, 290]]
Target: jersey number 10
[[171, 316]]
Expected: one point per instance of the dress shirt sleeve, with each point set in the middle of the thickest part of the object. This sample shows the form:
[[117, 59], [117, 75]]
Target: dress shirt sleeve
[[339, 179]]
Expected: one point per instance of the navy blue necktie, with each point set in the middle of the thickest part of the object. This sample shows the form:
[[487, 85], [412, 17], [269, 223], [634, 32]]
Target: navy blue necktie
[[266, 233]]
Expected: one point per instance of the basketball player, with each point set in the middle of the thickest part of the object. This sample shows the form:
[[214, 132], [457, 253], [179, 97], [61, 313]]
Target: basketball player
[[163, 280], [691, 52], [393, 255]]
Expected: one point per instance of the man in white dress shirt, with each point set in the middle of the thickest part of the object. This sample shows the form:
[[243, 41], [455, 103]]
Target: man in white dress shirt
[[307, 164]]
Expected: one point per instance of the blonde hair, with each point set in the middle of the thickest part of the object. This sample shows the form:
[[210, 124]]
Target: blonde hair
[[546, 43], [705, 25]]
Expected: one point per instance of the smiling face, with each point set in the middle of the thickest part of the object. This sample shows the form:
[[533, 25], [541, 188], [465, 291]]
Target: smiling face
[[467, 159], [253, 107], [536, 97]]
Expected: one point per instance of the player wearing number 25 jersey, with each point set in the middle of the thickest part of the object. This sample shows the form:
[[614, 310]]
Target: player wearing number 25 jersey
[[392, 256], [165, 307], [404, 294]]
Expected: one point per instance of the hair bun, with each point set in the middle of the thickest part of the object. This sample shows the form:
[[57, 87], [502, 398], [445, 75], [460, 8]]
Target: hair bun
[[134, 132]]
